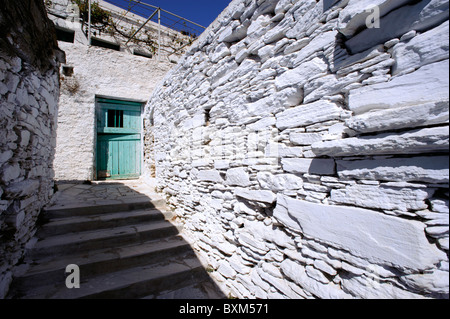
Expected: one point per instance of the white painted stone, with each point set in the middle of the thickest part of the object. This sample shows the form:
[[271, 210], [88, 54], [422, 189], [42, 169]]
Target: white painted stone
[[237, 264], [307, 114], [436, 282], [277, 283], [22, 97], [226, 270], [305, 138], [5, 156], [210, 176], [233, 34], [283, 6], [402, 117], [434, 169], [262, 124], [255, 277], [238, 47], [428, 47], [436, 219], [330, 85], [413, 142], [242, 55], [23, 188], [3, 87], [403, 199], [12, 81], [272, 104], [444, 243], [10, 172], [202, 162], [408, 36], [241, 208], [298, 274], [306, 13], [255, 195], [296, 46], [220, 52], [309, 166], [373, 288], [223, 73], [276, 34], [286, 98], [279, 182], [406, 90], [226, 247], [441, 206], [300, 75], [319, 43], [237, 177], [437, 231], [257, 29], [281, 150], [364, 233], [221, 164], [325, 267], [317, 275], [24, 138]]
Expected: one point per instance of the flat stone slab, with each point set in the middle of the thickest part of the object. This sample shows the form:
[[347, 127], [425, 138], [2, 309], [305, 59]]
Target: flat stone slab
[[365, 233]]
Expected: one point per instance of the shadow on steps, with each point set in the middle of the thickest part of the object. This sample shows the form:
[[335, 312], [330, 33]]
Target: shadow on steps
[[123, 243]]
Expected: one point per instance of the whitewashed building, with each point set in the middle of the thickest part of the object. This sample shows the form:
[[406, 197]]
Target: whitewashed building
[[115, 69]]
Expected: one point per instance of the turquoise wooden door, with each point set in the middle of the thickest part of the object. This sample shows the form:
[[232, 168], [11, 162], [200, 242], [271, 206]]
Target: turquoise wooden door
[[118, 139]]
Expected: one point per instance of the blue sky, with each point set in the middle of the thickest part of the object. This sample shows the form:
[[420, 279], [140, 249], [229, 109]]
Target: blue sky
[[203, 12]]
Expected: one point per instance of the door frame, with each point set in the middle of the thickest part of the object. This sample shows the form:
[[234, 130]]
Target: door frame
[[97, 107]]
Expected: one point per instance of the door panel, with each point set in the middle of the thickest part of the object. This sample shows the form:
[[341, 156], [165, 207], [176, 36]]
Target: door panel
[[119, 156], [118, 139]]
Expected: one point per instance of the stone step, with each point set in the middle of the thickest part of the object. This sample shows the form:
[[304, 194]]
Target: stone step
[[123, 250], [81, 209], [131, 283], [200, 291], [94, 263], [60, 226], [71, 243]]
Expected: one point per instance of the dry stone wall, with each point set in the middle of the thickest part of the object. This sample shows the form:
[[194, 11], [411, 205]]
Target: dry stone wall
[[29, 89], [306, 153]]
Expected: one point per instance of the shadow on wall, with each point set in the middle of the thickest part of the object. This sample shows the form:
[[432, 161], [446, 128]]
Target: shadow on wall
[[388, 21], [29, 64], [123, 244], [328, 4]]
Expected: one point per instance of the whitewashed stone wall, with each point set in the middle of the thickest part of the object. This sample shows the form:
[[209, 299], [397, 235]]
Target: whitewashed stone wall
[[306, 154], [29, 90]]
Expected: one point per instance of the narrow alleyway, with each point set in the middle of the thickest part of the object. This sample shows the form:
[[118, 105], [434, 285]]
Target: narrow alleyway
[[120, 237]]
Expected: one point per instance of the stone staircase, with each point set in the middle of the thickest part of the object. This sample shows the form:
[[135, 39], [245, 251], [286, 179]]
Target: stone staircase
[[124, 251]]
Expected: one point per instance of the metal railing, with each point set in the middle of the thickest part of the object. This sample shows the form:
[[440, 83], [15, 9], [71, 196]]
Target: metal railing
[[161, 17]]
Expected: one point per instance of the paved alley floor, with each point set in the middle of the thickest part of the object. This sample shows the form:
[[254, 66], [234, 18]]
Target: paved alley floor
[[71, 195]]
